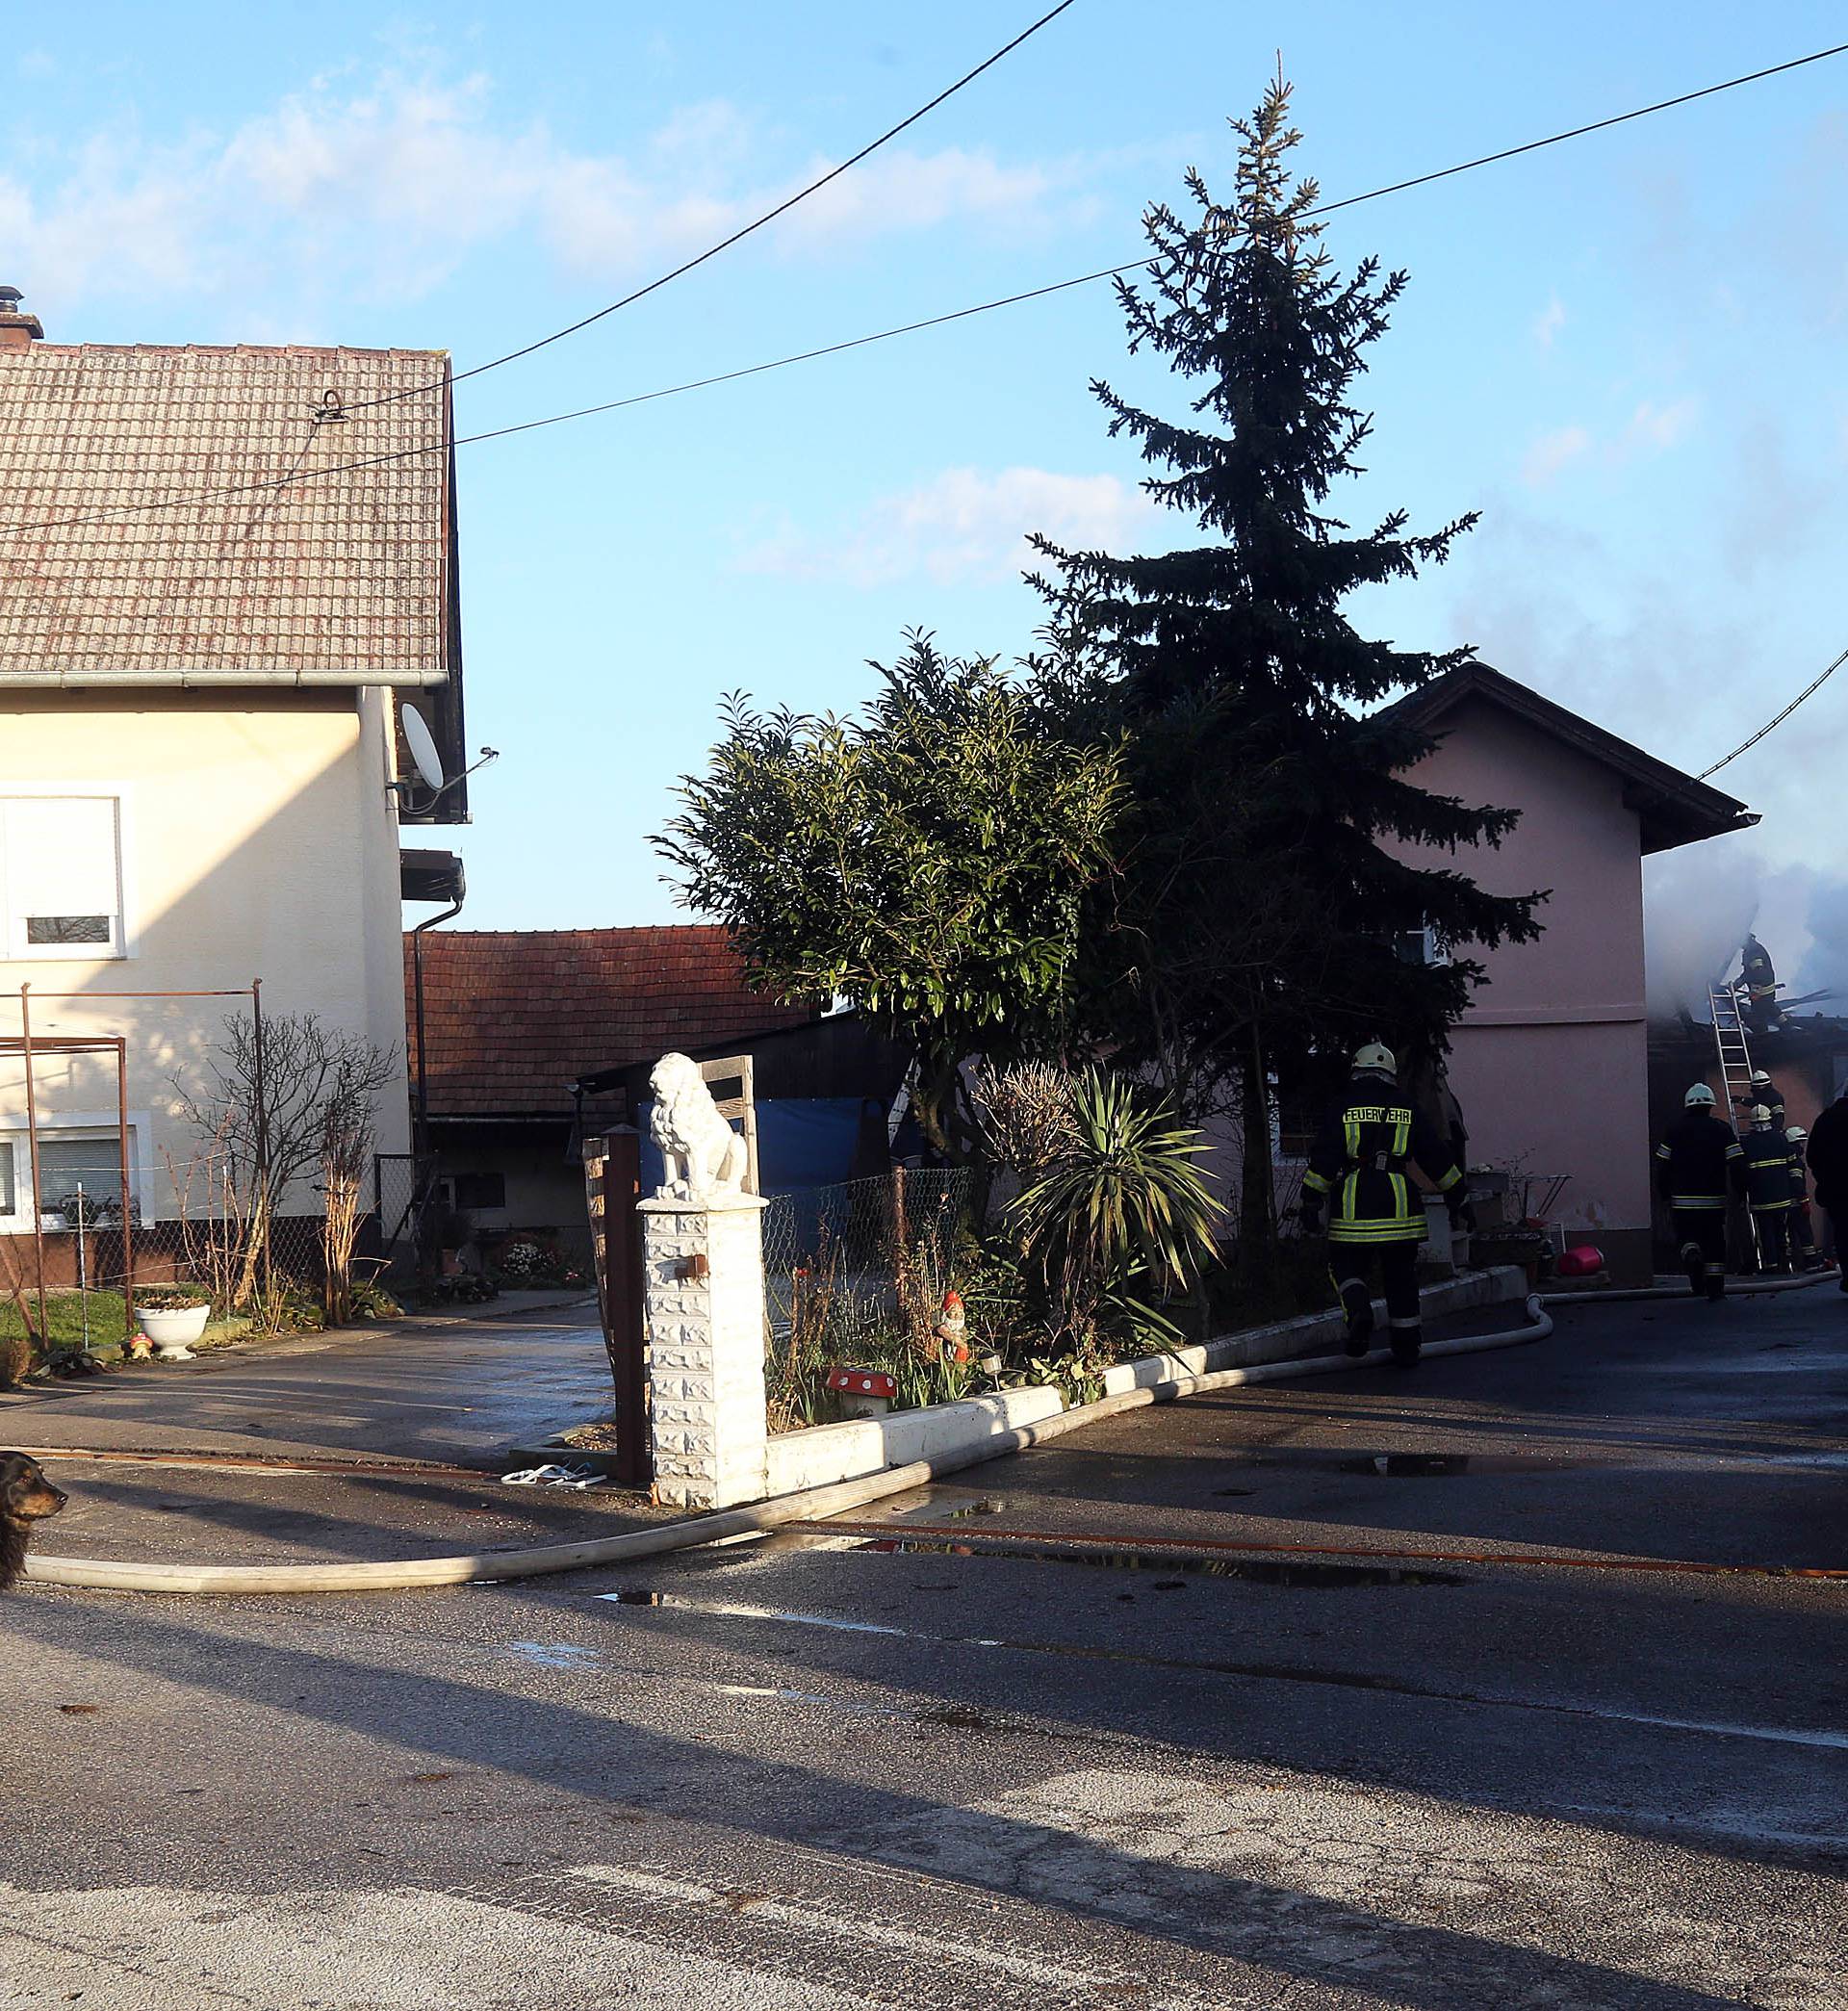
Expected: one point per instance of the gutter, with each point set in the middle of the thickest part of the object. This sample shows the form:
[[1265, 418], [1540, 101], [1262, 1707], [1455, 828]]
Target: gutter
[[249, 675]]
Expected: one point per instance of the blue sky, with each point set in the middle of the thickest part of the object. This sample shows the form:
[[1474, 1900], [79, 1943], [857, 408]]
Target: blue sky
[[1624, 352]]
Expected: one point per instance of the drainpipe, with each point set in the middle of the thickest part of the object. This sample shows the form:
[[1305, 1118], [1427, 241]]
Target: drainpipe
[[422, 1135]]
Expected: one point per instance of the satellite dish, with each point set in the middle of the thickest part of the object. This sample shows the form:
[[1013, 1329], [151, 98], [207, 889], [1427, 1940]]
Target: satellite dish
[[417, 736]]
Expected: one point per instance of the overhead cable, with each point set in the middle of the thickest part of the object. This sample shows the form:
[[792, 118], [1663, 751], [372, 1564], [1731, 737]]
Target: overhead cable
[[781, 209], [858, 342], [1771, 725]]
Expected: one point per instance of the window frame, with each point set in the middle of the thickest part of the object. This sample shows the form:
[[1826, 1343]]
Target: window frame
[[124, 940], [102, 1122]]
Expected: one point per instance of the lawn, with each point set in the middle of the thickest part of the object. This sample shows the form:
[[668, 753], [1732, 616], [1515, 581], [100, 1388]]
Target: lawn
[[64, 1313]]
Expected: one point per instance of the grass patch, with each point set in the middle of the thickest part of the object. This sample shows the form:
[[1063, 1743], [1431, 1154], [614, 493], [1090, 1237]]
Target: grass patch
[[65, 1322], [64, 1318]]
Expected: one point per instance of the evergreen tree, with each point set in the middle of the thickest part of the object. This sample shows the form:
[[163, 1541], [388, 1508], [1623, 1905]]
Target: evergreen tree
[[1262, 895]]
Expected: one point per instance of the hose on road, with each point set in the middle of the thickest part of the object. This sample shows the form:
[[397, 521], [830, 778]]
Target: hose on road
[[813, 1504]]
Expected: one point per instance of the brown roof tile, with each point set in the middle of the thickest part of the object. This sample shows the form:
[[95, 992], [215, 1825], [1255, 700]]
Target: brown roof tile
[[513, 1017], [344, 572]]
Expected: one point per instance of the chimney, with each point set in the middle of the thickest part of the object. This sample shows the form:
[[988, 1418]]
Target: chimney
[[17, 332]]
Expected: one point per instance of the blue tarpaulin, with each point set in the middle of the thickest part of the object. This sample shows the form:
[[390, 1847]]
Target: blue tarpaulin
[[803, 1141]]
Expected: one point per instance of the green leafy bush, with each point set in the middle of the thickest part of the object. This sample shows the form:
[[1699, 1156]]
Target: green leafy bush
[[1120, 1213]]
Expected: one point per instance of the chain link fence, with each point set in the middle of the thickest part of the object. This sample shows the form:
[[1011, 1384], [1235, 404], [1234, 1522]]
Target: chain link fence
[[854, 1277]]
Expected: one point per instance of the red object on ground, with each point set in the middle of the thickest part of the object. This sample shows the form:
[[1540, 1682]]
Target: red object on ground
[[1581, 1260], [863, 1383]]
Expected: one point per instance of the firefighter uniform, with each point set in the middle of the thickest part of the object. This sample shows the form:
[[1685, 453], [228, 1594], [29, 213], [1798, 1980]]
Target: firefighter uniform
[[1770, 1170], [1803, 1232], [1765, 1092], [1828, 1156], [1759, 981], [1358, 1171], [1698, 1161]]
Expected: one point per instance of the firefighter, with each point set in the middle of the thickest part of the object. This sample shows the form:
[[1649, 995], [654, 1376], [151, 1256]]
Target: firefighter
[[1760, 982], [1828, 1156], [1803, 1230], [1697, 1162], [1357, 1173], [1769, 1163], [1766, 1091]]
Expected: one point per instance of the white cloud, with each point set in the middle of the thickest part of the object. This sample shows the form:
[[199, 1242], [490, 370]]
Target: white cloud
[[1551, 319], [1552, 451], [387, 187], [963, 525], [1659, 427]]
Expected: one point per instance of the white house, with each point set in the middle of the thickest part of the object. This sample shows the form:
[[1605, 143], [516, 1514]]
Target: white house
[[216, 594]]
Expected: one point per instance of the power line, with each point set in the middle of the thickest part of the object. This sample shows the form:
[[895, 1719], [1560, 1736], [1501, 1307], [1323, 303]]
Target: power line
[[782, 208], [858, 342], [1771, 725]]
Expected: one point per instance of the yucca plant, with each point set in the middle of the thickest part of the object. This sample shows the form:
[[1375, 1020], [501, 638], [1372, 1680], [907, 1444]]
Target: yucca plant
[[1124, 1204]]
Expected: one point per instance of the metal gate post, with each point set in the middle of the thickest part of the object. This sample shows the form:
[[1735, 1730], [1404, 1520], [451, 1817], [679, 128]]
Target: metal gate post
[[614, 1165]]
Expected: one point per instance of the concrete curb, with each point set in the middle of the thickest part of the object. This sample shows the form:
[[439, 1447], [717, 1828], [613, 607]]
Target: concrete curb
[[1290, 1340], [813, 1504]]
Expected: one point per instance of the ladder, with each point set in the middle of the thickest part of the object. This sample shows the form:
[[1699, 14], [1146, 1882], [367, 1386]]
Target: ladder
[[1734, 1052]]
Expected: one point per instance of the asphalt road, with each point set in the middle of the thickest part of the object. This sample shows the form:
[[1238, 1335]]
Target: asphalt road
[[895, 1765]]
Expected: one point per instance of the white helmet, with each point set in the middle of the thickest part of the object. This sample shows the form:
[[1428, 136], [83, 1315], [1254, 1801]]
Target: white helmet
[[1761, 1079], [1796, 1134], [1758, 1114], [1373, 1058], [1699, 1097]]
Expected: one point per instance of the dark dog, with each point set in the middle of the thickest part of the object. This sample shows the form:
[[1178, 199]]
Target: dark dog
[[26, 1497]]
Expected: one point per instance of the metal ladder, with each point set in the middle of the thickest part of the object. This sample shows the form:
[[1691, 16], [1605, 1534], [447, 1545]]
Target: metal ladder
[[1734, 1049], [1734, 1052]]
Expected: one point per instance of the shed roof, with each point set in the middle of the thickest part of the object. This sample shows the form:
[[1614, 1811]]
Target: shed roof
[[335, 578], [513, 1017], [1674, 808]]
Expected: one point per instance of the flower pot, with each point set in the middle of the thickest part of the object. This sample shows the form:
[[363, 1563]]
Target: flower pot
[[171, 1332]]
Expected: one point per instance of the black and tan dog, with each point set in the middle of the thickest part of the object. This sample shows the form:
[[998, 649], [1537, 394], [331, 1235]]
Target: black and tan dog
[[26, 1497]]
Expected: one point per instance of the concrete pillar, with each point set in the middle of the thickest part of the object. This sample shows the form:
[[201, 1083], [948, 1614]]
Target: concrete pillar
[[703, 1266]]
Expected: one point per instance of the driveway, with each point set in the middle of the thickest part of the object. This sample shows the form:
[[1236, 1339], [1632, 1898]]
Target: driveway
[[899, 1767]]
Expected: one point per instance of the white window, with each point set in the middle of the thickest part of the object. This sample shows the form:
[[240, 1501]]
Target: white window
[[73, 1160], [1424, 946], [61, 877]]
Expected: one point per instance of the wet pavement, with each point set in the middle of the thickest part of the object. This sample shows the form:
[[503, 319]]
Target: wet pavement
[[850, 1767], [457, 1391]]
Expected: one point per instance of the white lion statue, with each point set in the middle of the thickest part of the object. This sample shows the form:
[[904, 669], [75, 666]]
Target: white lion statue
[[702, 1154]]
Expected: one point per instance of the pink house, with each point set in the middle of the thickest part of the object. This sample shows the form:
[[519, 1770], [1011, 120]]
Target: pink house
[[1551, 1064]]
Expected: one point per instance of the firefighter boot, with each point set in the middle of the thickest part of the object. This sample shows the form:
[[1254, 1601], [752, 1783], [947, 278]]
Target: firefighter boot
[[1357, 1303], [1695, 1265], [1407, 1342]]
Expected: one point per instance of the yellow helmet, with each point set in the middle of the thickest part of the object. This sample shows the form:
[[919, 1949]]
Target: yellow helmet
[[1373, 1058]]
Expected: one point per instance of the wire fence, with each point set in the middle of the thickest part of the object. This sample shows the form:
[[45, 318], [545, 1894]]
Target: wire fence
[[855, 1275]]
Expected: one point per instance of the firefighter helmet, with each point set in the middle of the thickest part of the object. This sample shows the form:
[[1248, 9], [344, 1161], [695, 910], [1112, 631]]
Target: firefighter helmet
[[1373, 1058], [1760, 1081], [1700, 1097], [1796, 1134], [1758, 1114]]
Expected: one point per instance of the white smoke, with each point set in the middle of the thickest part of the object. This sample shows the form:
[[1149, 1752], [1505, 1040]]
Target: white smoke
[[1697, 904]]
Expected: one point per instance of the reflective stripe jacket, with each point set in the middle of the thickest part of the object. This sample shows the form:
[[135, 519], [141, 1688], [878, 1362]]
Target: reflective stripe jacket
[[1698, 1161], [1770, 1164], [1358, 1165]]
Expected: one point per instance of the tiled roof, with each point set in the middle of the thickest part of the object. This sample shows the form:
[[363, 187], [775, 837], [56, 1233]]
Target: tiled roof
[[514, 1017], [342, 573]]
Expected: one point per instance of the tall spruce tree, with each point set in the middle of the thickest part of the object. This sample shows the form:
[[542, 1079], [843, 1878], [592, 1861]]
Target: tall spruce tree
[[1265, 893]]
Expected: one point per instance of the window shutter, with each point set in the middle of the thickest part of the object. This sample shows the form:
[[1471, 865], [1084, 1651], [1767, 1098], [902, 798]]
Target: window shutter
[[64, 873]]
